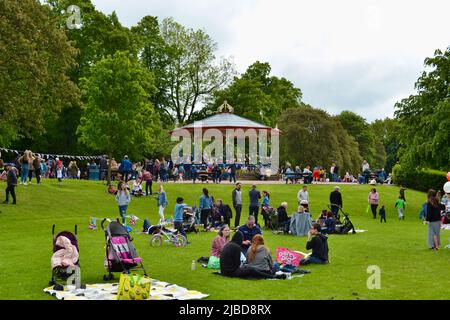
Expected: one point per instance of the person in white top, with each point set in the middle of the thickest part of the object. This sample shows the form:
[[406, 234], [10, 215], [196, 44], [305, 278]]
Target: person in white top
[[303, 195]]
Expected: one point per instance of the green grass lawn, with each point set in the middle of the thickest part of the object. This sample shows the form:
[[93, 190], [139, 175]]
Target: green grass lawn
[[409, 270]]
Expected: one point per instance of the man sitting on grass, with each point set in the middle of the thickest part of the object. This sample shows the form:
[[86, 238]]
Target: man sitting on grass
[[249, 230], [319, 245]]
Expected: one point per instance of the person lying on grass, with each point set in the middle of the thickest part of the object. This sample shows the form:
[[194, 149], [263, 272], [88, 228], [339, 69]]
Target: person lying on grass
[[249, 230], [319, 245], [231, 262]]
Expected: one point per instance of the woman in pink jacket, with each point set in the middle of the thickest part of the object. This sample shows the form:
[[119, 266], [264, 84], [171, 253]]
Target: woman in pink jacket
[[373, 201]]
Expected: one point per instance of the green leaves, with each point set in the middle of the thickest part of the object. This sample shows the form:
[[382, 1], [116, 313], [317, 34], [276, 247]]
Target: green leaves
[[35, 58], [423, 117], [117, 117]]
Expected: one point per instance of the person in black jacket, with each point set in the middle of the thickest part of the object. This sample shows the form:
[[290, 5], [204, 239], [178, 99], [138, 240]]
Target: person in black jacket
[[283, 219], [318, 243], [11, 182], [230, 262], [335, 201]]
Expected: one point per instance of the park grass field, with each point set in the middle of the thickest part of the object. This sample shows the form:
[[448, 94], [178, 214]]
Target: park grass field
[[409, 270]]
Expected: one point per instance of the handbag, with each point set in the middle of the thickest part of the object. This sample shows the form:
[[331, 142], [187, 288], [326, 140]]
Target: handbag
[[214, 262], [133, 287]]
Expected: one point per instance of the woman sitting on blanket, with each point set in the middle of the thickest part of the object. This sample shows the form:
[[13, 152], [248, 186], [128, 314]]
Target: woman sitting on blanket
[[230, 262], [259, 257], [217, 246]]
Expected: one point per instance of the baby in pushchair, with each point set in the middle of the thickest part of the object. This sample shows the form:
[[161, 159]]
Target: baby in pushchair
[[64, 260]]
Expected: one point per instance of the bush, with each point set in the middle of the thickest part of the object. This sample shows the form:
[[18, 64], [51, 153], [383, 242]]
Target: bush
[[421, 179]]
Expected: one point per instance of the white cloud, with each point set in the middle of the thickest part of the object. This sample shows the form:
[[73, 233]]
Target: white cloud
[[357, 55]]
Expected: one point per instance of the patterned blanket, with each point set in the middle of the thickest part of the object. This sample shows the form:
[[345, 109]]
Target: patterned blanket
[[108, 291]]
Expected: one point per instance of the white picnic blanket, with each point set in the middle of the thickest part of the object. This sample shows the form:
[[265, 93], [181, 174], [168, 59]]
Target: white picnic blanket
[[108, 291]]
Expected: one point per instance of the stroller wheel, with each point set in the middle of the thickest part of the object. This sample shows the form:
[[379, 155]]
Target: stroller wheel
[[156, 240], [180, 240]]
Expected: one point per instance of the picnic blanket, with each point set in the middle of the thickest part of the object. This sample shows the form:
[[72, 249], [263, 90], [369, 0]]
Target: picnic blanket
[[445, 226], [108, 291]]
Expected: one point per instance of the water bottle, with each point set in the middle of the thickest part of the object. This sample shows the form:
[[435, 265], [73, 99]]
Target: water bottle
[[193, 265]]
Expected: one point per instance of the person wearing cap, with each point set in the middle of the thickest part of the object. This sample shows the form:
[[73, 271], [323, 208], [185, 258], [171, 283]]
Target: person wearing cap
[[303, 195], [178, 217], [11, 182], [335, 201]]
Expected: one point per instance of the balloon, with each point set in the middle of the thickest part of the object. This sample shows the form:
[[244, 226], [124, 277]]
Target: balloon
[[448, 176], [447, 187]]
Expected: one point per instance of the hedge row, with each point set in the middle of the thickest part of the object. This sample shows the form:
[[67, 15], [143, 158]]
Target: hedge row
[[419, 179]]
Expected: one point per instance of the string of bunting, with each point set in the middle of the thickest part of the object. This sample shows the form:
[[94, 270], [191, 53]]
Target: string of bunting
[[60, 156]]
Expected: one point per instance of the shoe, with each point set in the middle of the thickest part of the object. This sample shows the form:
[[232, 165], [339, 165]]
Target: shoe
[[25, 184], [188, 242], [281, 276], [5, 202], [14, 202]]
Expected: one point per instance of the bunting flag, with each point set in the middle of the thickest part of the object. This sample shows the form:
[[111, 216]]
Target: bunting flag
[[60, 156]]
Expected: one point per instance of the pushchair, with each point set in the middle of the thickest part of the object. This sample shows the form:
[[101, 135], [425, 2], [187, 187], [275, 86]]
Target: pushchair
[[65, 262], [189, 214], [346, 226], [269, 215], [120, 255]]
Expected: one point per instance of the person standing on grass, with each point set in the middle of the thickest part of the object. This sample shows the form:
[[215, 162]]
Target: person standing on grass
[[382, 214], [400, 204], [335, 201], [126, 167], [433, 219], [254, 195], [205, 206], [148, 178], [161, 202], [318, 243], [237, 203], [11, 182], [24, 162], [373, 202], [123, 198], [37, 168], [303, 195], [59, 170], [178, 217]]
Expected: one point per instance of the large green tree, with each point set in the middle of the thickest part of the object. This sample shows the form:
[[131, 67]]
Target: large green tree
[[387, 130], [118, 117], [370, 145], [35, 58], [424, 117], [257, 95], [311, 136], [192, 71]]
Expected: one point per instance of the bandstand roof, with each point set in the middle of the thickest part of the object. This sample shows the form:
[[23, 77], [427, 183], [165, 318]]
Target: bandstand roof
[[224, 119]]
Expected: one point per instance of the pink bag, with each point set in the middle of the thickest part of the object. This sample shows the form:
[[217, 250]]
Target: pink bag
[[286, 256]]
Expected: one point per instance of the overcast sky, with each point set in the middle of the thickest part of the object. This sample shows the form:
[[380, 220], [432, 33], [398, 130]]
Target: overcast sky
[[344, 55]]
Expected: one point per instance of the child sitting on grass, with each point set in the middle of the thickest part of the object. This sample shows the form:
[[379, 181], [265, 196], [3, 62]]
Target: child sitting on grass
[[137, 188], [400, 204]]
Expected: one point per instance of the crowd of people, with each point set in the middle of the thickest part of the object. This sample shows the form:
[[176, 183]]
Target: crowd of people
[[245, 254]]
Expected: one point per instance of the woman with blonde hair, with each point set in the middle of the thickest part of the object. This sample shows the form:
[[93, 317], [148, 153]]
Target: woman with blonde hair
[[162, 202], [259, 257], [25, 162]]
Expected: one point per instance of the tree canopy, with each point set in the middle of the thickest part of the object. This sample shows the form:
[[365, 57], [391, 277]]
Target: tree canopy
[[312, 137], [35, 58], [118, 117], [424, 117]]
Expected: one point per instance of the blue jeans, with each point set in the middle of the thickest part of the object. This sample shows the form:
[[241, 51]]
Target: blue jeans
[[312, 259], [123, 212], [25, 171]]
